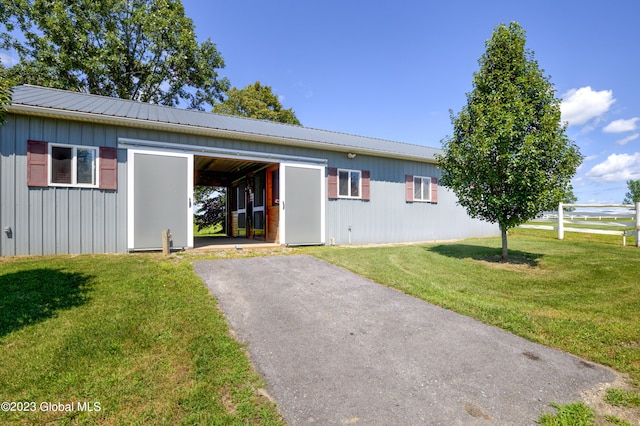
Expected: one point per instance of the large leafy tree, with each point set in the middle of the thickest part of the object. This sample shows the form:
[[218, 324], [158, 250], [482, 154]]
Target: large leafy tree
[[145, 50], [256, 101], [633, 192], [509, 157]]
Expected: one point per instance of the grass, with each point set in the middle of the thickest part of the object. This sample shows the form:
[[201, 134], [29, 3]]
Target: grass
[[142, 336], [576, 414], [211, 231], [138, 334], [581, 295]]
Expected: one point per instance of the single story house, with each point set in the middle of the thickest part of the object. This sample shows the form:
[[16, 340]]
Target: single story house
[[81, 173]]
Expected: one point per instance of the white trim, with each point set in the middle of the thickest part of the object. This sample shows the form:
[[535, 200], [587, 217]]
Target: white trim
[[74, 166], [351, 197], [131, 191], [422, 179], [262, 157], [281, 226]]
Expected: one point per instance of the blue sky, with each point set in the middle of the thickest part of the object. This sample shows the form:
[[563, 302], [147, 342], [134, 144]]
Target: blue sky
[[393, 70]]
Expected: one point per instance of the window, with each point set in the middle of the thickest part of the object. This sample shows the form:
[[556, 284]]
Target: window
[[349, 183], [73, 165], [421, 188], [354, 184], [69, 165]]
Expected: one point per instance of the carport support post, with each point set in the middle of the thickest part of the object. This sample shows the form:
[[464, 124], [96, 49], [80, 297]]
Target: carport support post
[[166, 247]]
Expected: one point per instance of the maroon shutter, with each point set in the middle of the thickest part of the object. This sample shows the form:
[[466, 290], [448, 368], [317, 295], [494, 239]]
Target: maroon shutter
[[37, 163], [108, 168], [434, 189], [366, 185], [333, 183], [409, 188]]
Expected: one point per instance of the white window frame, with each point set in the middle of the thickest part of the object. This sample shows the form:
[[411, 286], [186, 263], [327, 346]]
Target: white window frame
[[74, 166], [359, 172], [423, 180]]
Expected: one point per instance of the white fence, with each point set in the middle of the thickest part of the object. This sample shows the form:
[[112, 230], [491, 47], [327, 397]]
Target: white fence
[[575, 219]]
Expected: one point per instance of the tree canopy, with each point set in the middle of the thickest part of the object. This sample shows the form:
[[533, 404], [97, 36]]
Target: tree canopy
[[509, 157], [5, 93], [633, 192], [144, 50], [256, 101]]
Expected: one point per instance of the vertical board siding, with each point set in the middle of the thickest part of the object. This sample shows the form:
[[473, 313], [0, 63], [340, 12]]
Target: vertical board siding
[[86, 220], [388, 217], [58, 220]]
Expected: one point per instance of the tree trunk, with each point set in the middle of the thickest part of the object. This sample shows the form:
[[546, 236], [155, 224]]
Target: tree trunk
[[505, 255]]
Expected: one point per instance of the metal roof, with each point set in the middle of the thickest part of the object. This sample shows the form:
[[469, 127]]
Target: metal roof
[[43, 101]]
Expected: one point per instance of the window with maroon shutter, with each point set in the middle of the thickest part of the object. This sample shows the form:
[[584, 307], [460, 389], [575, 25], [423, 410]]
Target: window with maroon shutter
[[108, 168], [409, 188], [434, 189], [333, 183], [37, 163], [366, 185]]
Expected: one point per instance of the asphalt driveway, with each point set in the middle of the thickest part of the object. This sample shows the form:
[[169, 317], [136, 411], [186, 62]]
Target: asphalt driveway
[[336, 348]]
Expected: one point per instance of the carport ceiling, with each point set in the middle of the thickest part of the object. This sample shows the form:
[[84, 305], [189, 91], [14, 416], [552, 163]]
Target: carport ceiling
[[216, 171]]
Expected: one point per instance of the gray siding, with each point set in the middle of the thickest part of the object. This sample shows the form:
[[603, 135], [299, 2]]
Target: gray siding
[[387, 217], [58, 220], [73, 220]]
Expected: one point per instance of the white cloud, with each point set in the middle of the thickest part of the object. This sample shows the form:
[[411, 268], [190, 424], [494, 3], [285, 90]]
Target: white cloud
[[628, 139], [583, 104], [7, 60], [620, 126], [617, 168]]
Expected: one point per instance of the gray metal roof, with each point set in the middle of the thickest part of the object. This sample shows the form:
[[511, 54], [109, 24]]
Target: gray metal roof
[[75, 105]]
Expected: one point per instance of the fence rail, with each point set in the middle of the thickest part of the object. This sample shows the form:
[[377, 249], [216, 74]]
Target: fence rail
[[561, 228]]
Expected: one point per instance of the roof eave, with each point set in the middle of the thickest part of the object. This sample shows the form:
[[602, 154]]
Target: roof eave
[[203, 131]]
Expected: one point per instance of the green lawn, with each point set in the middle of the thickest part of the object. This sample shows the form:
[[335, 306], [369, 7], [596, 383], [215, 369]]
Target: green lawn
[[581, 295], [141, 335], [138, 334]]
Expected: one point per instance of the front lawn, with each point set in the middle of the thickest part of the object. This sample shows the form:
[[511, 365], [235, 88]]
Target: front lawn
[[581, 295], [120, 339]]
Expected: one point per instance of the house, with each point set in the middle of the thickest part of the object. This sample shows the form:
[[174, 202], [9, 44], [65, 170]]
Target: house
[[81, 173]]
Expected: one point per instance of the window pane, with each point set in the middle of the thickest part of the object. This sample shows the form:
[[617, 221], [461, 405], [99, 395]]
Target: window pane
[[258, 184], [275, 187], [241, 196], [355, 184], [86, 166], [343, 183], [417, 188], [61, 164], [258, 220], [426, 189]]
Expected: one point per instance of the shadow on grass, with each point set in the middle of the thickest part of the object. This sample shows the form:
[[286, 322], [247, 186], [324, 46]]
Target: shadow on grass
[[28, 297], [487, 254]]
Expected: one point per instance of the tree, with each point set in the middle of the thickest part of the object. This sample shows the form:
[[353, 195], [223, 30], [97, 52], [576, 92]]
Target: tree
[[509, 158], [256, 101], [633, 192], [145, 50], [5, 93], [212, 202]]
